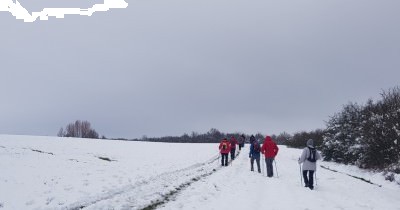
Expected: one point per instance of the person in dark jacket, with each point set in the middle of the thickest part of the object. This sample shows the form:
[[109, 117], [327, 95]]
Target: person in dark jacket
[[242, 139], [224, 149], [252, 139], [270, 150], [309, 158], [255, 149], [233, 142]]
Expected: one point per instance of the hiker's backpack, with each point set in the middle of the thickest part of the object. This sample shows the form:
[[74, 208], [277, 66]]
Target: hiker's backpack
[[224, 145], [256, 146], [312, 158]]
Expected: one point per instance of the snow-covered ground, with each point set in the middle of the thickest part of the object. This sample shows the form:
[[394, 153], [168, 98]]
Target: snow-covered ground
[[66, 173], [63, 173]]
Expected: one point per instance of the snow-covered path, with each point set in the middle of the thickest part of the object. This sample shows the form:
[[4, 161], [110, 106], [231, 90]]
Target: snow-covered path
[[236, 187]]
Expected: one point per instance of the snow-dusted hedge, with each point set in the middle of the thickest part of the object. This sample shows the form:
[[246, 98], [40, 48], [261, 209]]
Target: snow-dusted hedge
[[367, 135]]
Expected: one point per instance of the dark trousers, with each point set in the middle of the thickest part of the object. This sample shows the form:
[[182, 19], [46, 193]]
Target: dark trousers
[[309, 181], [270, 168], [240, 147], [258, 164], [224, 159], [233, 153]]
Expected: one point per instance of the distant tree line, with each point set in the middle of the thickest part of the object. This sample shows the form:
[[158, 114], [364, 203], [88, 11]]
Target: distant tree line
[[299, 139], [215, 136], [212, 136]]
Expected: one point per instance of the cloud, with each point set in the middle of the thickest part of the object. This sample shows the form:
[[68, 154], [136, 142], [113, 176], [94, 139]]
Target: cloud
[[18, 11]]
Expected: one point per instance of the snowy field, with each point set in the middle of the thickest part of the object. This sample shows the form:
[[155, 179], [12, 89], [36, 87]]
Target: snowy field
[[66, 173]]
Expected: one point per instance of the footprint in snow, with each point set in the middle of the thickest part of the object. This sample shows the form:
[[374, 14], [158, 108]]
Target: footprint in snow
[[29, 203], [85, 182], [49, 200], [68, 188]]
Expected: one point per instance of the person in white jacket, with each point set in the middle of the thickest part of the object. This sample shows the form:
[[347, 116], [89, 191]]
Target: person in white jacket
[[309, 159]]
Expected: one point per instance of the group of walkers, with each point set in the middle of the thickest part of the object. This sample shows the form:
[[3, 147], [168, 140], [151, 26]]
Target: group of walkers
[[269, 149], [226, 147]]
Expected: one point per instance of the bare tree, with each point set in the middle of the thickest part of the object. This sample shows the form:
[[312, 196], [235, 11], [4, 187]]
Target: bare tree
[[61, 132], [79, 129]]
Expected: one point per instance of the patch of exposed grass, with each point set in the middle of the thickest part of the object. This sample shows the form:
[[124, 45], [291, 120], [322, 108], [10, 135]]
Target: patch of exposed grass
[[106, 159], [356, 177], [39, 151]]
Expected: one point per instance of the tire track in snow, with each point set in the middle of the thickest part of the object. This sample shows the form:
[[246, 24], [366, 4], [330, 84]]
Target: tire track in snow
[[174, 193], [150, 191]]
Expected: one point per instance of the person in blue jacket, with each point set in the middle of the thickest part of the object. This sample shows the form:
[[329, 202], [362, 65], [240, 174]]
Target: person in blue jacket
[[254, 154]]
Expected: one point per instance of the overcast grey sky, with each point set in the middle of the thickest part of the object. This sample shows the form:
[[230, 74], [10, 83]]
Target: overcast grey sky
[[168, 67]]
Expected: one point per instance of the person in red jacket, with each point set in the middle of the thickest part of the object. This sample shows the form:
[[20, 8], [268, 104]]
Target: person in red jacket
[[224, 149], [233, 142], [270, 150]]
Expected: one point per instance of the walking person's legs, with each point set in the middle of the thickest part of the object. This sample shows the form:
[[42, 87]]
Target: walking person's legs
[[270, 169], [311, 179], [258, 165], [269, 166], [224, 159], [252, 163], [271, 162], [305, 177]]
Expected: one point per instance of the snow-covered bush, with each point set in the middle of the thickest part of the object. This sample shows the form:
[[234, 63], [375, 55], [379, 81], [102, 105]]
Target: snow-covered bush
[[342, 138], [368, 135]]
